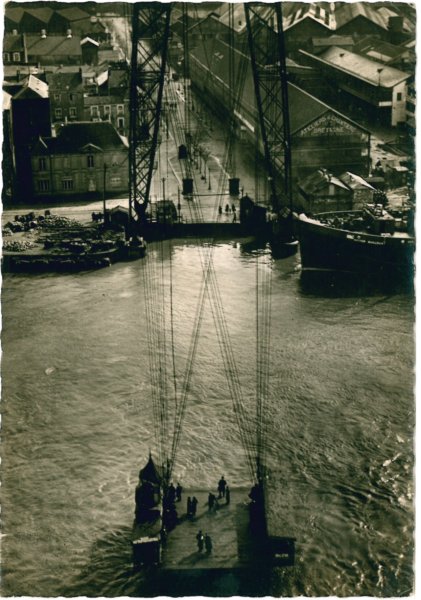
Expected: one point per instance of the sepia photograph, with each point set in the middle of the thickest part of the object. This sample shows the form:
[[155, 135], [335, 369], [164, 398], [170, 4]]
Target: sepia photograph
[[208, 299]]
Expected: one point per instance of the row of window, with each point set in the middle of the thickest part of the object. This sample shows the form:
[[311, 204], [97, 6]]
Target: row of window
[[106, 110], [15, 55], [58, 113], [67, 184], [72, 97], [42, 162]]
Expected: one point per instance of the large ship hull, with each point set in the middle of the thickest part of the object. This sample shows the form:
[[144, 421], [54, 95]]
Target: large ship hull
[[326, 247]]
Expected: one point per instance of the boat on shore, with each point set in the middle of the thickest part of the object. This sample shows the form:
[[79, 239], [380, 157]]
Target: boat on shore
[[373, 240]]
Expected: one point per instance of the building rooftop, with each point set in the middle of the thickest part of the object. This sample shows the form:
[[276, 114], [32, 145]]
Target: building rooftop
[[360, 67], [73, 138], [32, 88], [53, 45], [14, 14], [303, 107], [65, 81], [351, 10], [42, 13], [354, 181], [376, 49], [73, 13], [12, 43], [316, 181]]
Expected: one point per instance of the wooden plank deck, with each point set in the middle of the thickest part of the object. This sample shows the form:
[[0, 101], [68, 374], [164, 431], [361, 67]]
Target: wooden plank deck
[[228, 526]]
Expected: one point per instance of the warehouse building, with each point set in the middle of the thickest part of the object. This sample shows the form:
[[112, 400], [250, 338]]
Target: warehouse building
[[320, 136]]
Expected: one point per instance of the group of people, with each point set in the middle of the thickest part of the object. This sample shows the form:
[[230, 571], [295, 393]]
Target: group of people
[[192, 506], [228, 210], [204, 541]]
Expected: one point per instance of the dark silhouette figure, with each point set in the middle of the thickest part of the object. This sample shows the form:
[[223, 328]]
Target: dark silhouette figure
[[220, 210], [189, 506], [221, 487], [227, 208], [208, 544], [211, 501], [233, 208], [227, 495], [193, 505], [200, 540], [178, 491], [171, 494]]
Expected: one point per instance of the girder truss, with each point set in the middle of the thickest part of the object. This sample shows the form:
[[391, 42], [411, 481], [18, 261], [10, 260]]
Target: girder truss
[[267, 54], [150, 34]]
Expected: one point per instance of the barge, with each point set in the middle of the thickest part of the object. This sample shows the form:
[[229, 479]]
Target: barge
[[372, 241]]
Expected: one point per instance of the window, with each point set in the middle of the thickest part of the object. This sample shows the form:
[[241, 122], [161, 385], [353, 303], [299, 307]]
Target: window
[[58, 113], [94, 111], [72, 97], [399, 96], [42, 164], [90, 160], [66, 162], [57, 97], [120, 108], [67, 184], [16, 56], [43, 185], [115, 181], [72, 112], [6, 56], [120, 123], [107, 109]]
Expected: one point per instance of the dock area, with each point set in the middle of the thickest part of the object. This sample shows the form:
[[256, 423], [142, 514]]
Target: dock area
[[228, 527]]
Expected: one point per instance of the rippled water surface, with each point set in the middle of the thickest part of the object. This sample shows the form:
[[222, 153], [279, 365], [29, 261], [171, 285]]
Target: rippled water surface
[[78, 423]]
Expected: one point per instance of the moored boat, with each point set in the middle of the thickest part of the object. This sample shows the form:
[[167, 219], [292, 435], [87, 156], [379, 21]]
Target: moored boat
[[372, 240]]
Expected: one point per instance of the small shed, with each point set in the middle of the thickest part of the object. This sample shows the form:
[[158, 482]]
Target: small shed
[[119, 215], [322, 192], [362, 191]]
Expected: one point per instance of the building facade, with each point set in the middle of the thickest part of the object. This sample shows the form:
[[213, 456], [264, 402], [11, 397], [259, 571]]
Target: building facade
[[84, 158]]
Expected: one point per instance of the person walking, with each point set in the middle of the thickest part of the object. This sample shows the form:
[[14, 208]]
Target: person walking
[[178, 491], [194, 504], [211, 501], [227, 495], [188, 506], [208, 544], [200, 540], [222, 484]]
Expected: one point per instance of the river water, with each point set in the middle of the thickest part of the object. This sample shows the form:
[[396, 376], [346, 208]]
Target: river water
[[78, 424]]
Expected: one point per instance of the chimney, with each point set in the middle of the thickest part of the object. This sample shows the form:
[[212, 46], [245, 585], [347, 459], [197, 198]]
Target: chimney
[[69, 33], [14, 32], [43, 33]]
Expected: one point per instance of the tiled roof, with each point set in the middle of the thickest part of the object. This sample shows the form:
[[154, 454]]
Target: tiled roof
[[303, 107], [12, 43], [316, 181], [351, 10], [368, 70], [43, 14], [33, 87], [14, 14], [102, 100], [65, 81], [73, 137], [73, 13], [355, 181], [53, 45]]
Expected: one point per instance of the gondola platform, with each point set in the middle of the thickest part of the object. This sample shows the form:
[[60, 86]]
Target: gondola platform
[[228, 527]]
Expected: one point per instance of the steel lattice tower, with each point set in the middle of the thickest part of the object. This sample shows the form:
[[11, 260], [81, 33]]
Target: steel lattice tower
[[150, 34]]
